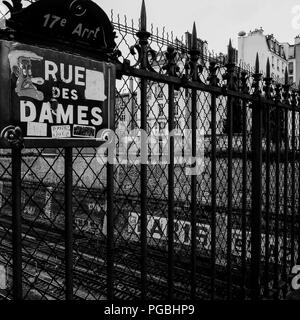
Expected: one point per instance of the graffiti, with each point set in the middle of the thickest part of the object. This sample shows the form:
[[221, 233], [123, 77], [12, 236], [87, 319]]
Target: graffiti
[[157, 229], [30, 210], [93, 206]]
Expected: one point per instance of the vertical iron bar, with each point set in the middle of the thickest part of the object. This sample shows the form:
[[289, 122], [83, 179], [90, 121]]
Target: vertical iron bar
[[298, 220], [256, 188], [267, 204], [231, 84], [16, 224], [245, 89], [293, 189], [69, 223], [143, 36], [244, 201], [110, 208], [110, 232], [213, 179], [229, 199], [285, 196], [277, 191], [267, 89], [256, 201], [194, 58], [144, 194], [193, 196], [286, 175], [171, 196]]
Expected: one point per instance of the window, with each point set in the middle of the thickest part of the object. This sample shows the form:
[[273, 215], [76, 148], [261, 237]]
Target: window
[[291, 68], [176, 111], [122, 116], [50, 152], [160, 93], [161, 126], [160, 110]]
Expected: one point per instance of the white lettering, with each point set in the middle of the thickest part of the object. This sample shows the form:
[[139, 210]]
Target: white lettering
[[74, 94], [96, 113], [65, 93], [51, 69], [79, 76], [82, 113], [62, 73], [55, 92], [78, 30], [24, 106], [46, 114], [64, 116]]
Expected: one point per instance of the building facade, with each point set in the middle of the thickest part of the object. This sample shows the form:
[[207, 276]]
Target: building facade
[[267, 47], [293, 54]]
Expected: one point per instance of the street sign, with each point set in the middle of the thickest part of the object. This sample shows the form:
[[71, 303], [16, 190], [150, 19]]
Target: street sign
[[3, 279], [54, 95]]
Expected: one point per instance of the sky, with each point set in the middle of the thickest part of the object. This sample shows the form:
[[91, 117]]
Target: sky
[[216, 20]]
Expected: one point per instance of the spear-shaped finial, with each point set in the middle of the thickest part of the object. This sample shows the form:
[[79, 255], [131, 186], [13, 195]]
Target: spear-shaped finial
[[268, 80], [268, 72], [143, 17], [194, 37], [257, 64]]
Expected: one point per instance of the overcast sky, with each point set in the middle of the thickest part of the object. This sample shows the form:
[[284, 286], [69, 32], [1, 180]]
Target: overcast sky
[[216, 20]]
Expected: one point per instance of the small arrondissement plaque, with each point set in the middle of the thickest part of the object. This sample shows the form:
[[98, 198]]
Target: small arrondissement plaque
[[80, 22]]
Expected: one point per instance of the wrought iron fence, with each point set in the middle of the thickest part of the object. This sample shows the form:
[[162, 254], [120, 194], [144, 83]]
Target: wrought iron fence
[[87, 229]]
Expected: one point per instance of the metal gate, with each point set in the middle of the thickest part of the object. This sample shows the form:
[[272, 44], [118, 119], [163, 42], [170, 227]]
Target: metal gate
[[210, 211]]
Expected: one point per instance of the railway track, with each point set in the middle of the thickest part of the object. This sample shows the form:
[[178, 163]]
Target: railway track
[[92, 283]]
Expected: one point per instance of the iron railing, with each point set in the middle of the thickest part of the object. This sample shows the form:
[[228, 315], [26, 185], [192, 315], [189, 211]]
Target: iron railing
[[73, 227]]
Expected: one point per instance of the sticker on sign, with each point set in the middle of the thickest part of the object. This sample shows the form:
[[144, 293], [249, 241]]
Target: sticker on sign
[[37, 129], [84, 131], [61, 131]]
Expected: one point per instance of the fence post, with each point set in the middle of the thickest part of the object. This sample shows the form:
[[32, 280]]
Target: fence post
[[287, 163], [266, 118], [16, 224], [69, 222], [171, 68], [256, 185], [231, 84], [143, 36], [194, 56], [277, 138], [245, 89], [213, 81]]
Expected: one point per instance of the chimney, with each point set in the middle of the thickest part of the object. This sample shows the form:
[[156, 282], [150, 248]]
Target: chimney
[[297, 39]]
